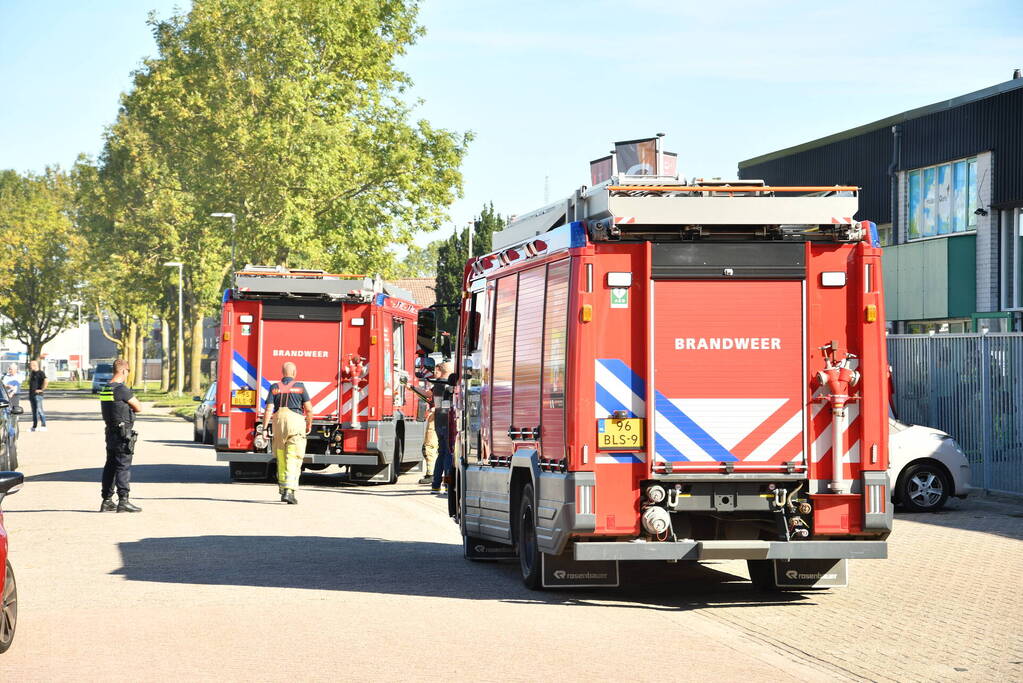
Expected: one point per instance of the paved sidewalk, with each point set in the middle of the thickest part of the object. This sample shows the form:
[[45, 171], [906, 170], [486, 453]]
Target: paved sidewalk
[[219, 581]]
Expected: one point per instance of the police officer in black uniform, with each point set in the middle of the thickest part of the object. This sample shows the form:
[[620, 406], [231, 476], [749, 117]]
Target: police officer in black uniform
[[119, 406]]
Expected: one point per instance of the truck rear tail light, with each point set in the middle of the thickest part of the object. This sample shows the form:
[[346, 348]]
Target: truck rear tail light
[[584, 500]]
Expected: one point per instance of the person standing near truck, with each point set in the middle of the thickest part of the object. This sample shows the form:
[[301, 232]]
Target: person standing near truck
[[287, 401], [118, 405], [441, 395], [37, 384], [12, 384]]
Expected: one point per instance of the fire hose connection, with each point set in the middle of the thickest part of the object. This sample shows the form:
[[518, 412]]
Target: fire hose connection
[[655, 494], [837, 378], [656, 521]]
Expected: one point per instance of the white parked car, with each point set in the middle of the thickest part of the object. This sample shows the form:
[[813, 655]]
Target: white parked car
[[927, 466]]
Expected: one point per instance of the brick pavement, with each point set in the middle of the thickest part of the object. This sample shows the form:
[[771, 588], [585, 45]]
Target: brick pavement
[[946, 605]]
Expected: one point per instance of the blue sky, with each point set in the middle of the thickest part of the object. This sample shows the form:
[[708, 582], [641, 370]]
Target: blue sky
[[547, 86]]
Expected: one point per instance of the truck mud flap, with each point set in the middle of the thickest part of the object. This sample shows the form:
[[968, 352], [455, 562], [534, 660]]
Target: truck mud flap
[[562, 571], [479, 549], [811, 573], [250, 471], [373, 474]]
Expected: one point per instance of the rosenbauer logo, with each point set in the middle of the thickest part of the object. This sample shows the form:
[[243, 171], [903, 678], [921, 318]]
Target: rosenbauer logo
[[727, 343], [793, 575], [298, 353]]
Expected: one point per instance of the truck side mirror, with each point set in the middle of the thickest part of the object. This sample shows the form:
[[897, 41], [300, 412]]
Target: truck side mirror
[[427, 324], [445, 344]]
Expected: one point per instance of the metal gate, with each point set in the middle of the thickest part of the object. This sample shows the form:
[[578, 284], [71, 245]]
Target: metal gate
[[971, 386]]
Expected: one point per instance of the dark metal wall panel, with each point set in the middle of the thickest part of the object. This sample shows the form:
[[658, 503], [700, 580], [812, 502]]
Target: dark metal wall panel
[[991, 124], [861, 161]]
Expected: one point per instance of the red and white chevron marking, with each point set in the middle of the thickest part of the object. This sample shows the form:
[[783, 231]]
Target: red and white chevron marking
[[624, 220]]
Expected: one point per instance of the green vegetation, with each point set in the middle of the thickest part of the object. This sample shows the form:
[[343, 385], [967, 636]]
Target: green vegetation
[[66, 385], [41, 256], [451, 257], [292, 116]]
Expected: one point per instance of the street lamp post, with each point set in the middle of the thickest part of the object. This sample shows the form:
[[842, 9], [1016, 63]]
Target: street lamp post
[[227, 214], [179, 380]]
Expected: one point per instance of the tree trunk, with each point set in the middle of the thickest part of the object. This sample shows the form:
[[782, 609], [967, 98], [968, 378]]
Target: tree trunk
[[165, 379], [128, 351], [196, 369], [140, 357]]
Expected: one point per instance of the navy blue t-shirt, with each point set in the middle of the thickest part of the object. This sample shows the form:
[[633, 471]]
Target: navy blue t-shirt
[[288, 394]]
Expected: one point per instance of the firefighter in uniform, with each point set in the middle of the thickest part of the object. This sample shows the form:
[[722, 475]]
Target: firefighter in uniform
[[287, 401], [118, 405]]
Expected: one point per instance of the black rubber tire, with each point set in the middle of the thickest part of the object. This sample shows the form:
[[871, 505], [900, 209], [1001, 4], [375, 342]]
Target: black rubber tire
[[923, 487], [197, 436], [8, 609], [529, 551]]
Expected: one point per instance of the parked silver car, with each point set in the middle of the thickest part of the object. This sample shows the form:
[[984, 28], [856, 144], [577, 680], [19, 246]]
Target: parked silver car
[[104, 373], [204, 421], [927, 466]]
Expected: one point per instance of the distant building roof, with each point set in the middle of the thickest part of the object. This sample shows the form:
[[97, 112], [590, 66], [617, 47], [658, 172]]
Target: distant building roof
[[944, 105], [424, 289]]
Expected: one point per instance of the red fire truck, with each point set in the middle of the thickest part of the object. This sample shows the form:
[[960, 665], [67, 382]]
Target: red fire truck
[[662, 370], [354, 340]]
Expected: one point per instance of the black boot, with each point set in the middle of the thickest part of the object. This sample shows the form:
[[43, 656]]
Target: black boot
[[289, 497], [107, 505], [124, 505]]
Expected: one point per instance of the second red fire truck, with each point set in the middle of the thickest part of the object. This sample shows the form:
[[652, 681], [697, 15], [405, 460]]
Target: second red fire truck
[[663, 370], [354, 340]]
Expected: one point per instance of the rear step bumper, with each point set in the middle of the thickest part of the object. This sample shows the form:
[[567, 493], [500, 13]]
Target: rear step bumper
[[732, 550], [314, 459]]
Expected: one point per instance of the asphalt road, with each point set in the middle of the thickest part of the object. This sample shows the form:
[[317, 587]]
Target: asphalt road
[[221, 581]]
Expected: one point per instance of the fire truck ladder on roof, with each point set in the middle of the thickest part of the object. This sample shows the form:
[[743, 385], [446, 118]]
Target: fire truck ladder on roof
[[667, 208], [280, 282]]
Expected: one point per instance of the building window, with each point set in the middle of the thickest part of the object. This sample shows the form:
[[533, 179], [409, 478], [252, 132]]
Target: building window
[[942, 199], [884, 235]]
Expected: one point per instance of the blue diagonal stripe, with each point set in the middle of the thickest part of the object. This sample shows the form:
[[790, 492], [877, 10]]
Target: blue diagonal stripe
[[625, 374], [667, 450], [609, 402], [246, 365], [239, 382], [694, 431], [622, 457]]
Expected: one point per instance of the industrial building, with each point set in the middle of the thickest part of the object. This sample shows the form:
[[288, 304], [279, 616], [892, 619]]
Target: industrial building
[[944, 183]]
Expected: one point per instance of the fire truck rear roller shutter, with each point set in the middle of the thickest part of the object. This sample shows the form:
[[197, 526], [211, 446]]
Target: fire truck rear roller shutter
[[290, 310], [747, 260]]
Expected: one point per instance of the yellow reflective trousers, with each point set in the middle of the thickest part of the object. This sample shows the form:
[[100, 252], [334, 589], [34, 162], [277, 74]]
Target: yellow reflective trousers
[[289, 447], [430, 446]]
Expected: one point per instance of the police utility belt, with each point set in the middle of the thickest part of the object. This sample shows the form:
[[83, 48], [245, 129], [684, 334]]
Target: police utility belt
[[127, 433]]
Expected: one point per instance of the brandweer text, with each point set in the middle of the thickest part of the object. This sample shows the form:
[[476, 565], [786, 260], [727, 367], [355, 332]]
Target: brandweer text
[[727, 343]]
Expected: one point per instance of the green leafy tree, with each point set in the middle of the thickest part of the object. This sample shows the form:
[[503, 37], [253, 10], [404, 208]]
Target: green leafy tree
[[291, 115], [452, 255], [42, 254], [420, 261]]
